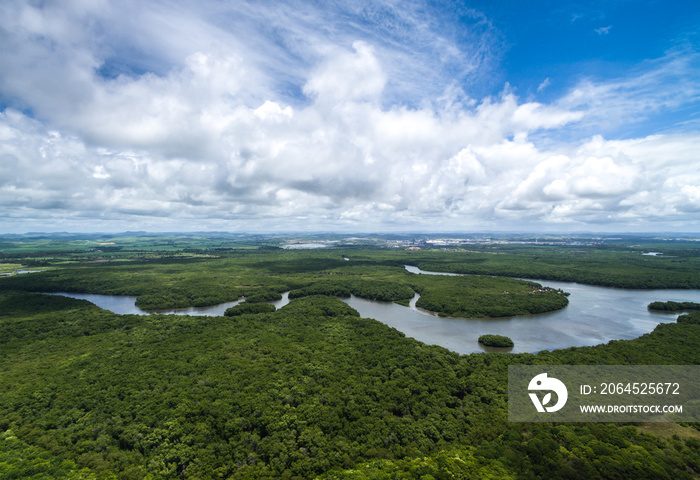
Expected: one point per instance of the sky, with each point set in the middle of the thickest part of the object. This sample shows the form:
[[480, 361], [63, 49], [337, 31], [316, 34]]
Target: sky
[[377, 115]]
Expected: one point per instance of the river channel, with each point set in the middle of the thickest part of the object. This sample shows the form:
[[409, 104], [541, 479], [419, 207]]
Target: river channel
[[594, 315]]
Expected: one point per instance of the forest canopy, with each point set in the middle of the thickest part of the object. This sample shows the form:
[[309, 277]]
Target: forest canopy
[[309, 390], [263, 276]]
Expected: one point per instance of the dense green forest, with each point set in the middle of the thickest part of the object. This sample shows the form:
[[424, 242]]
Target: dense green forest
[[624, 268], [245, 308], [690, 318], [308, 390], [304, 391], [617, 262], [262, 275]]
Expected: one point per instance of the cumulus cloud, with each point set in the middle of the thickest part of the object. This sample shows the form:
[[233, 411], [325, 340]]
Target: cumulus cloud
[[221, 132], [630, 182], [348, 77]]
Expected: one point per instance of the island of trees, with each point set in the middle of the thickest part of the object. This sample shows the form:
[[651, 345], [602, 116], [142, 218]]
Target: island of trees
[[674, 306], [496, 341]]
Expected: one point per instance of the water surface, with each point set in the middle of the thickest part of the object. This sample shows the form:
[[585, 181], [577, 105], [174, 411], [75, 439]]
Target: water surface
[[125, 305], [594, 315]]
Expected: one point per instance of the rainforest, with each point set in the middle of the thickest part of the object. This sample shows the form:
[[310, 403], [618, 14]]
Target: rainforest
[[311, 389]]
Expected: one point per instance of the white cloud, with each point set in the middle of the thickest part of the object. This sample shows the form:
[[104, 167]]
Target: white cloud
[[211, 134], [348, 77], [292, 177], [272, 111], [612, 181]]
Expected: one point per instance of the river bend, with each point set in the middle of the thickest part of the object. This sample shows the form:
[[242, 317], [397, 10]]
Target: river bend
[[594, 315]]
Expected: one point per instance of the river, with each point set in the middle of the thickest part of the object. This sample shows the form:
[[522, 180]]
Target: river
[[126, 305], [594, 315]]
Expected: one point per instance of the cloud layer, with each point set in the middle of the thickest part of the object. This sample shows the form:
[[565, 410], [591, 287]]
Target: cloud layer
[[162, 116]]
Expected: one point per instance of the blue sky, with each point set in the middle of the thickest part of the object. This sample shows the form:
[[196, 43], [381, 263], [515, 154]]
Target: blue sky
[[600, 39], [367, 115]]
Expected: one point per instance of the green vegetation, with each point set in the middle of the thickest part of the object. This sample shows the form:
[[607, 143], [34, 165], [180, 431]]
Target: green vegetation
[[21, 461], [264, 296], [320, 306], [496, 341], [545, 451], [322, 288], [693, 317], [674, 306], [615, 262], [689, 318], [305, 389], [621, 267], [458, 463], [249, 308], [386, 291], [310, 390], [261, 275], [479, 296]]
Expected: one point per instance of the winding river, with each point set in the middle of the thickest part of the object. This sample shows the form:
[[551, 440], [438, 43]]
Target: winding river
[[126, 305], [594, 315]]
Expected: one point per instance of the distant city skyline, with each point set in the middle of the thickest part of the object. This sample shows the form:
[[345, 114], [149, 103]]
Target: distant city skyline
[[367, 116]]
